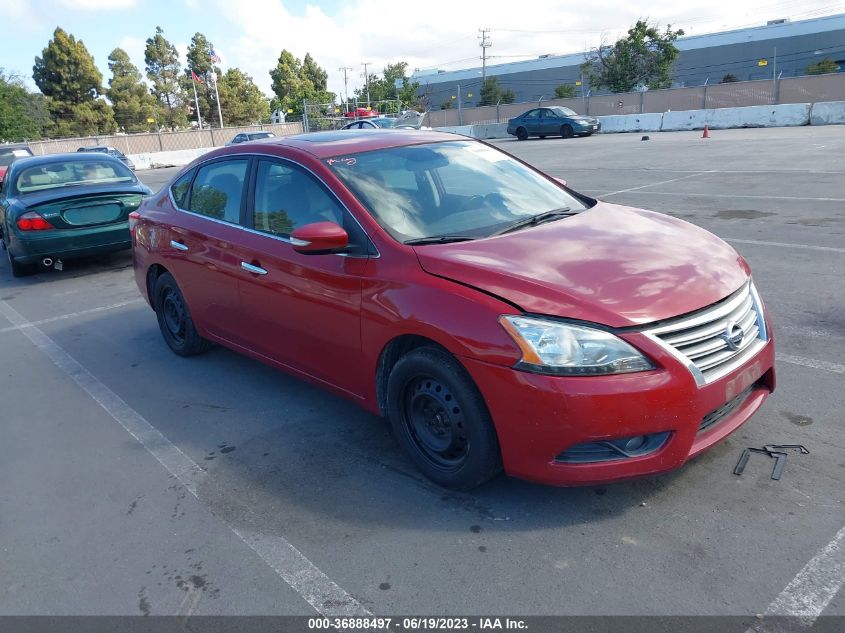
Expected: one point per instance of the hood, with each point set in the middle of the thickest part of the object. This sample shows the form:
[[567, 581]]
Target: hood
[[613, 265]]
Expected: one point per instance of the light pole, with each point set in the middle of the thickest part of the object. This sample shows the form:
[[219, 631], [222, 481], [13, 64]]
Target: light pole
[[367, 81]]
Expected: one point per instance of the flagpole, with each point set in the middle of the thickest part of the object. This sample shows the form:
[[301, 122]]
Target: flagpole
[[196, 101], [217, 97]]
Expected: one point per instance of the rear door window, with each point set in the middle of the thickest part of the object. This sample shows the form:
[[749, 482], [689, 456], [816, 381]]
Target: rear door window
[[217, 191]]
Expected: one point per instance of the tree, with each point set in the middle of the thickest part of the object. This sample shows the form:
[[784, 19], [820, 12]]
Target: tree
[[241, 100], [23, 115], [643, 58], [295, 81], [132, 103], [823, 67], [564, 91], [163, 71], [508, 96], [288, 86], [446, 105], [386, 87], [68, 77], [729, 79]]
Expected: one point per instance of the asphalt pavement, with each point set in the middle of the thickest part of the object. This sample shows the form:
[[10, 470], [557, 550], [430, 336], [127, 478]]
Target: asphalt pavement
[[137, 482]]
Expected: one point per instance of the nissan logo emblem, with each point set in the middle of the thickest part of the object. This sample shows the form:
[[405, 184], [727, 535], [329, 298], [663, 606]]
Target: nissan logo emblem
[[733, 335]]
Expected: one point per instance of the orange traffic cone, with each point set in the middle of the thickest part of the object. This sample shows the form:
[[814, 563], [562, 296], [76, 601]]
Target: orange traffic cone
[[706, 132]]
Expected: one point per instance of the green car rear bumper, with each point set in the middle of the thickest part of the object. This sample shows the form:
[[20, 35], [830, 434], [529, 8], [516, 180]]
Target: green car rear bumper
[[67, 244]]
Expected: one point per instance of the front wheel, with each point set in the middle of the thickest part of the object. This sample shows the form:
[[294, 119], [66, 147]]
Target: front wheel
[[566, 131], [174, 318], [521, 134], [441, 421]]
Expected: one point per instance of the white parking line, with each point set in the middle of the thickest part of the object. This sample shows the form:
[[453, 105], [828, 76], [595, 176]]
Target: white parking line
[[655, 184], [812, 589], [811, 363], [810, 247], [710, 195], [320, 591], [72, 315]]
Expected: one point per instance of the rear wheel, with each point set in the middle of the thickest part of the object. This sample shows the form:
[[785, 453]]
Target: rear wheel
[[174, 318], [521, 134], [18, 269], [440, 419], [566, 130]]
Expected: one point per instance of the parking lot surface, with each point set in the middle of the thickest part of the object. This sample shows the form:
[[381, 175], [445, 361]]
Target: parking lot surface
[[138, 482]]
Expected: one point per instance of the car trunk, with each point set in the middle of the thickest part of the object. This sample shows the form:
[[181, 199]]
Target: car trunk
[[73, 212]]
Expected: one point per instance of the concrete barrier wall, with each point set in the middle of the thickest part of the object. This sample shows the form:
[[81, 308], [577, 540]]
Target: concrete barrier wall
[[167, 159], [724, 118], [649, 122], [828, 113], [490, 130]]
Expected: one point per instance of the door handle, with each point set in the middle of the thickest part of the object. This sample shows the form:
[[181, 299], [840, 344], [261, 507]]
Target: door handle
[[178, 245], [256, 270]]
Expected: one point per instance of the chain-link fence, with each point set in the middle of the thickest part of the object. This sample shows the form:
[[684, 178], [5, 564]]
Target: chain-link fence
[[331, 116], [729, 95], [149, 143]]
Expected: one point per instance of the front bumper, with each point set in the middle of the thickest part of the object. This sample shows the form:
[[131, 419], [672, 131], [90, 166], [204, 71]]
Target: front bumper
[[538, 417], [70, 243], [586, 128]]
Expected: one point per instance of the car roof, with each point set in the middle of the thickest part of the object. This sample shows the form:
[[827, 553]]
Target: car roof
[[96, 148], [11, 146], [334, 143]]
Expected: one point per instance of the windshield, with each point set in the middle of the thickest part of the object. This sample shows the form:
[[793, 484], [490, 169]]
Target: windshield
[[260, 135], [71, 172], [453, 188], [565, 111]]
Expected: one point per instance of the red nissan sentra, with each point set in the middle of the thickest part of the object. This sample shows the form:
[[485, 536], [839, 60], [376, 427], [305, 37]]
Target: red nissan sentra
[[496, 317]]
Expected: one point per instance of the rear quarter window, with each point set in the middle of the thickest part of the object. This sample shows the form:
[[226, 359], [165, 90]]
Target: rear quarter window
[[179, 189]]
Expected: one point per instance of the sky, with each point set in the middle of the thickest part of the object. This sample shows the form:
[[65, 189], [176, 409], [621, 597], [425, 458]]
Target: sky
[[250, 34]]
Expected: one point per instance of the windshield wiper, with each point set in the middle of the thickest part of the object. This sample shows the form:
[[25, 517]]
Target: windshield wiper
[[534, 220], [438, 239]]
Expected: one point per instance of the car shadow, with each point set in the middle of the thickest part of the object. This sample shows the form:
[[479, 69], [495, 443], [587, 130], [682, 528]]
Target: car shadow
[[72, 268], [275, 446]]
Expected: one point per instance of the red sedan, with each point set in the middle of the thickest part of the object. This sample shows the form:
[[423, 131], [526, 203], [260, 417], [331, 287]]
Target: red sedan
[[497, 318]]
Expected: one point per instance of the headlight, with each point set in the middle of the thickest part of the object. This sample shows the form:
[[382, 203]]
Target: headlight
[[552, 347]]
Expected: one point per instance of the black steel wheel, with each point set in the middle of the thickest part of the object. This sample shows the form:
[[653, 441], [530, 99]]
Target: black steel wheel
[[521, 134], [566, 131], [440, 419], [174, 318]]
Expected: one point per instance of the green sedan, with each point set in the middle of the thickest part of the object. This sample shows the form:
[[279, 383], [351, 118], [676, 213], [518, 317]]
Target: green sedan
[[63, 206]]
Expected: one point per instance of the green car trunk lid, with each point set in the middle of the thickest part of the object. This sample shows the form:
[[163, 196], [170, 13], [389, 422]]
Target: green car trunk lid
[[91, 210]]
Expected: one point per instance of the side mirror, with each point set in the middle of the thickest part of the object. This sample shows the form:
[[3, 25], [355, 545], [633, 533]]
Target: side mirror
[[319, 238], [561, 181]]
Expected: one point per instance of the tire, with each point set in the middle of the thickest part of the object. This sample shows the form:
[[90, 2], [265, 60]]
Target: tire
[[521, 134], [174, 319], [18, 269], [566, 131], [441, 421]]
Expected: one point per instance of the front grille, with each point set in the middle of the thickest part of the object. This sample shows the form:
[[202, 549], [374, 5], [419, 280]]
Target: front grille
[[707, 341], [714, 417]]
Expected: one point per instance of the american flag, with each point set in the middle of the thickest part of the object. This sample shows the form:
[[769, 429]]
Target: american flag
[[214, 57]]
